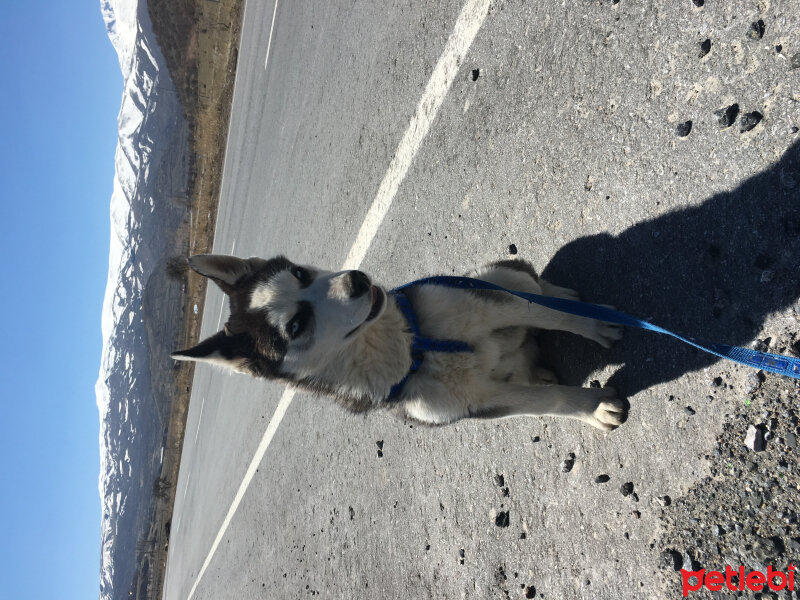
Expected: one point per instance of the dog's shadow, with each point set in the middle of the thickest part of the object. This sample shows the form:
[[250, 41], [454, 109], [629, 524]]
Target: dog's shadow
[[714, 272]]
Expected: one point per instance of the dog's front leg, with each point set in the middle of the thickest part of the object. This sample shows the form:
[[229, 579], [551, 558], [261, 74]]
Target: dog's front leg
[[519, 312], [599, 407]]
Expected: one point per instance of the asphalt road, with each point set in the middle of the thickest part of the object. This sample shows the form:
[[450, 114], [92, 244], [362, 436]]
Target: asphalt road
[[557, 135]]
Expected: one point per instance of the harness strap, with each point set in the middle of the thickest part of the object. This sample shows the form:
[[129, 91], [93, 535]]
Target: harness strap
[[419, 344], [774, 363]]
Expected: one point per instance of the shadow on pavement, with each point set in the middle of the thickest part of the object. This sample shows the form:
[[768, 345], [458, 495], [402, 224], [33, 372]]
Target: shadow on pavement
[[714, 272]]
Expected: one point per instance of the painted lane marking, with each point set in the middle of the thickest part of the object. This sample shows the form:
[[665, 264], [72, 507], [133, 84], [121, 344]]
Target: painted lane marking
[[271, 27], [277, 416], [199, 420], [466, 28], [459, 42], [224, 297]]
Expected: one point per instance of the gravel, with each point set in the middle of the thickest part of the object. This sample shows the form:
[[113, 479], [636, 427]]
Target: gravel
[[568, 463], [727, 116], [747, 511], [684, 129], [750, 120]]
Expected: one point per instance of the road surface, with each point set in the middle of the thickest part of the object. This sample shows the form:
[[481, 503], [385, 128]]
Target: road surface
[[428, 138]]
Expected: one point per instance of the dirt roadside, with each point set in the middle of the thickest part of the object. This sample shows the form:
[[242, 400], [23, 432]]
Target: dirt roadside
[[199, 39]]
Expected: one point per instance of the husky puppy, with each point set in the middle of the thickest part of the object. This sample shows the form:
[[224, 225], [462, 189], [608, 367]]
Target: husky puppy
[[340, 334]]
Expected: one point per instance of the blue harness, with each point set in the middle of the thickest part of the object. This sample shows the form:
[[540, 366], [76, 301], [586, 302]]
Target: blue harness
[[419, 344], [773, 363]]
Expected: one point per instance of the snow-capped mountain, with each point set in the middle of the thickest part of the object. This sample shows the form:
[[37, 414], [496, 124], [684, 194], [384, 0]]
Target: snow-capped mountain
[[141, 310]]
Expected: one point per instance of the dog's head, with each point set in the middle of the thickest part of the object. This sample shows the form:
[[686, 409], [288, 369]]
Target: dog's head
[[287, 321]]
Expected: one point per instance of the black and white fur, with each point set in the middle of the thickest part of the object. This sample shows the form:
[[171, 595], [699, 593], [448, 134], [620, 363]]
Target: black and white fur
[[340, 334]]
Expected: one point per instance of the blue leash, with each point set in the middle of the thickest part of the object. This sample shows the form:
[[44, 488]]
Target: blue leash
[[773, 363]]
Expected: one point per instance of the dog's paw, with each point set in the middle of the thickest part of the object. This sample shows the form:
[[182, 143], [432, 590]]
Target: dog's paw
[[609, 413], [606, 334]]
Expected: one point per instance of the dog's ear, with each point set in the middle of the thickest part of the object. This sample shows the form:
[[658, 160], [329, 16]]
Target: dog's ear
[[225, 271], [229, 351]]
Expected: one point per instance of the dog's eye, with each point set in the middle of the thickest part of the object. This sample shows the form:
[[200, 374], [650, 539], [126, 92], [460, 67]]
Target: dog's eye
[[303, 276], [294, 328], [298, 324]]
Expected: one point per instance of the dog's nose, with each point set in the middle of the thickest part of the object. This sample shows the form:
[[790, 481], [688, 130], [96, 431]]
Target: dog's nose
[[359, 284]]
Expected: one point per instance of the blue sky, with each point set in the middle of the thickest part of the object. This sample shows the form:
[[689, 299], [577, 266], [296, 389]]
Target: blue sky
[[60, 97]]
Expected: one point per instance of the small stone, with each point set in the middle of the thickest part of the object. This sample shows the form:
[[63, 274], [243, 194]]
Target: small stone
[[754, 380], [475, 74], [530, 592], [750, 120], [502, 519], [791, 440], [762, 345], [727, 116], [698, 3], [689, 411], [499, 480], [672, 559], [754, 438], [664, 501], [717, 530], [683, 129], [512, 249], [568, 463], [523, 535], [795, 61], [705, 47], [602, 478], [626, 489], [768, 548], [756, 31]]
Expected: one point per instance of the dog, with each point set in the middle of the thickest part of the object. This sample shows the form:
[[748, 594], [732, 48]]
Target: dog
[[342, 335]]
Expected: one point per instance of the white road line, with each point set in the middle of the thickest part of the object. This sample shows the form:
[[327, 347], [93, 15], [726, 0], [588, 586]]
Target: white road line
[[188, 478], [271, 27], [277, 416], [199, 420], [466, 28], [221, 308], [224, 297]]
